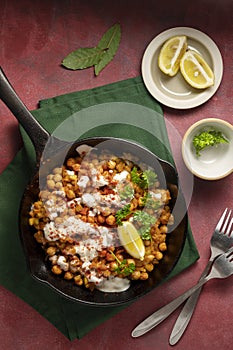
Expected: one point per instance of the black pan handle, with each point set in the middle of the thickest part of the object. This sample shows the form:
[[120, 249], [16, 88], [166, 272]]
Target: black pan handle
[[38, 135]]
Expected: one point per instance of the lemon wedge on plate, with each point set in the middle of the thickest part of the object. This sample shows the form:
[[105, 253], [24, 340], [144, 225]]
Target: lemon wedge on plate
[[131, 240], [196, 71], [171, 53]]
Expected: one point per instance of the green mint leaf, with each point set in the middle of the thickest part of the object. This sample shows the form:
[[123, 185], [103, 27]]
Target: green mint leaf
[[83, 58], [108, 44]]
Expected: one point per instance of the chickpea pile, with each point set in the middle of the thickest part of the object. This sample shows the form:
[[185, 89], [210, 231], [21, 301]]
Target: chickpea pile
[[62, 201]]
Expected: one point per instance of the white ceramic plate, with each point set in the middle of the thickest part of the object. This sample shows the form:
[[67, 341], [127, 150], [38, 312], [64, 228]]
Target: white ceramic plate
[[214, 162], [174, 91]]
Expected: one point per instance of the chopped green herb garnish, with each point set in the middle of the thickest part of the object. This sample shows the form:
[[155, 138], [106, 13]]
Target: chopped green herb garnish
[[206, 139], [144, 179], [135, 177], [151, 203], [122, 213], [127, 192], [145, 221], [123, 267], [149, 177]]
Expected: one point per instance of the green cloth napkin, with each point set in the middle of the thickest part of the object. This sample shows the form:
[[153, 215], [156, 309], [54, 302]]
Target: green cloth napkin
[[144, 124]]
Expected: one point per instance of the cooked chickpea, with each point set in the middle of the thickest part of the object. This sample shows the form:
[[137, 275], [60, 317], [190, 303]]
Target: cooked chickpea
[[31, 221], [144, 276], [111, 164], [120, 257], [130, 261], [110, 257], [78, 280], [70, 194], [111, 220], [149, 267], [90, 219], [171, 220], [58, 220], [158, 255], [139, 263], [100, 219], [106, 212], [163, 247], [103, 253], [106, 273], [134, 203], [135, 275], [51, 251], [69, 250], [57, 178], [59, 185], [57, 171], [113, 265], [163, 229], [50, 184], [86, 282], [56, 270], [39, 236], [120, 166], [68, 275], [148, 258]]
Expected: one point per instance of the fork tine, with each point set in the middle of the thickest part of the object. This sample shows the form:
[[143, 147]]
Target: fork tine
[[229, 252], [226, 222], [229, 227], [219, 225]]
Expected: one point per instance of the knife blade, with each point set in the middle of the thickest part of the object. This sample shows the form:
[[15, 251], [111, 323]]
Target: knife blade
[[184, 318]]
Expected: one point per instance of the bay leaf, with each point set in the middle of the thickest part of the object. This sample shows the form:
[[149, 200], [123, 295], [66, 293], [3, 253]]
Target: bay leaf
[[83, 58], [109, 44]]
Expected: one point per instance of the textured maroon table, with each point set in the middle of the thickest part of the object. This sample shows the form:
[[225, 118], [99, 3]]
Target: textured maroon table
[[35, 37]]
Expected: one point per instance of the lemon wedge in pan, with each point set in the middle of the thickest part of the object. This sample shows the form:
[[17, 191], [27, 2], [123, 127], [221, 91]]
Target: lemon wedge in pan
[[196, 71], [131, 240], [171, 53]]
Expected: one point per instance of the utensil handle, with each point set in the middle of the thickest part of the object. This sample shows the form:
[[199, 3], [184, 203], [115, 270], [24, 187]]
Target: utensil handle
[[187, 311], [35, 131], [160, 315]]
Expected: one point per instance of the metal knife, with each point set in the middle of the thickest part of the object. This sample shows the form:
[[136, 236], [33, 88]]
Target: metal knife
[[158, 316], [187, 311]]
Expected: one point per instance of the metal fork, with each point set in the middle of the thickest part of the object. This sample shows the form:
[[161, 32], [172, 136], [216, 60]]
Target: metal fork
[[220, 242], [222, 267]]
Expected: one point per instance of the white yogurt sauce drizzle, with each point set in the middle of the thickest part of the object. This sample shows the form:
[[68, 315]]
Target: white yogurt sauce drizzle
[[113, 285], [98, 237]]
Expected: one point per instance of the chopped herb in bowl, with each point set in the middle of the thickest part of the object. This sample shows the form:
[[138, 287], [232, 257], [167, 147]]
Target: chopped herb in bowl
[[208, 138]]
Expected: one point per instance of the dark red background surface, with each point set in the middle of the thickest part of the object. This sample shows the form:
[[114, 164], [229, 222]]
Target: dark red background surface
[[34, 38]]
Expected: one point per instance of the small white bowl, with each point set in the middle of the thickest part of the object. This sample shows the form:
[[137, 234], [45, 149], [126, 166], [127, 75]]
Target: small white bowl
[[215, 162]]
